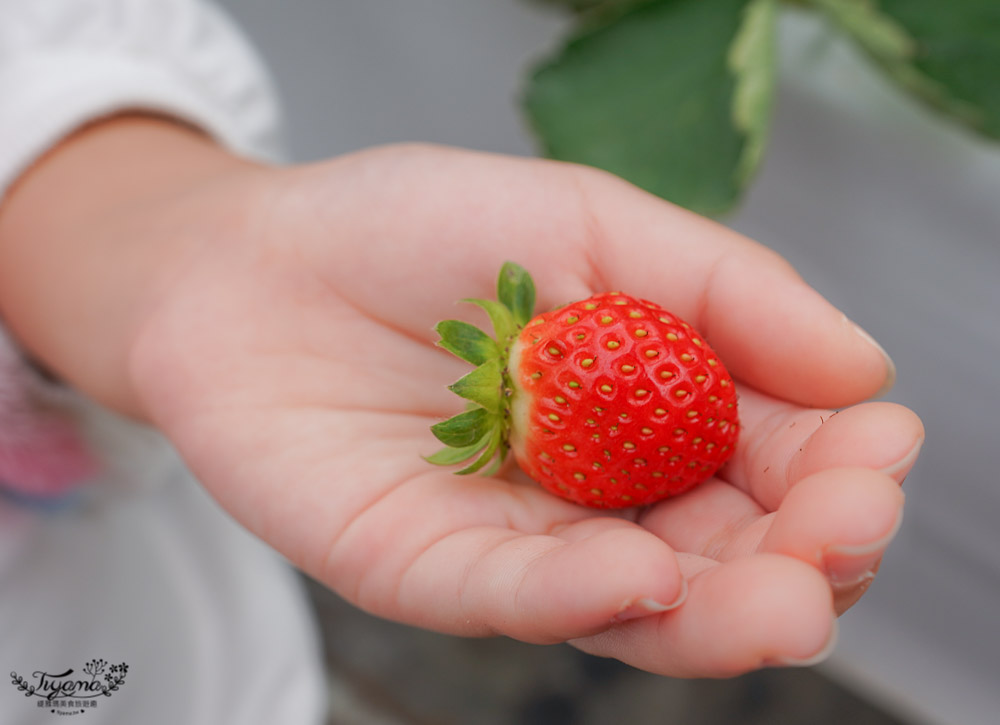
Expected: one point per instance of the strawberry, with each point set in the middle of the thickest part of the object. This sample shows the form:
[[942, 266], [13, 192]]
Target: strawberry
[[609, 402]]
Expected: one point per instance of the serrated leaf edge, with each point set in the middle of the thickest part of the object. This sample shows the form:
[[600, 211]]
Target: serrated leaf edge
[[751, 59], [603, 17], [890, 45]]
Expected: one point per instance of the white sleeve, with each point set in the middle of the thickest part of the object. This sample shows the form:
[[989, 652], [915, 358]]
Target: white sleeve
[[64, 63], [159, 549]]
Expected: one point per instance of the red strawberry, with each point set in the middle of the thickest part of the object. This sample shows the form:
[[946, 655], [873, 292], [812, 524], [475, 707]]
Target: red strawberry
[[609, 402]]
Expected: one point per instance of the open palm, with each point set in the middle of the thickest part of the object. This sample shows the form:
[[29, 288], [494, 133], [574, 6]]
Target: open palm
[[293, 364]]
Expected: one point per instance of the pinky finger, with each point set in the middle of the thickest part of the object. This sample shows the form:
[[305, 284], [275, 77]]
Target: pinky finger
[[757, 611]]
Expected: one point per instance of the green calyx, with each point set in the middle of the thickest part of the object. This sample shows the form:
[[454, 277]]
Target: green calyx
[[481, 431]]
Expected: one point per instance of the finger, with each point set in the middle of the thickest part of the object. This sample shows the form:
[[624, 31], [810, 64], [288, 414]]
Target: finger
[[348, 500], [780, 444], [577, 231], [770, 328], [841, 521], [540, 588], [714, 520], [457, 216], [753, 612], [845, 597]]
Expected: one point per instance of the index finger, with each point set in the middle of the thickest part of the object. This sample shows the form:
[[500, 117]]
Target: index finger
[[580, 231], [770, 328]]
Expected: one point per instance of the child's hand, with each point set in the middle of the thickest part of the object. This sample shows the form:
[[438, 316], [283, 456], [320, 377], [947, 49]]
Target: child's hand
[[291, 359]]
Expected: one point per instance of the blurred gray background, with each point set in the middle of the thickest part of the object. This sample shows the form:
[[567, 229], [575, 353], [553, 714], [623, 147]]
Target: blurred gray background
[[885, 208]]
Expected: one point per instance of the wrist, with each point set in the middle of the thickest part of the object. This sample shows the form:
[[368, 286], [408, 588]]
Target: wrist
[[90, 237]]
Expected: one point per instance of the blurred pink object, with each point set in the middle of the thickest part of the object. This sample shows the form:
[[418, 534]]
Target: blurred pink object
[[41, 450]]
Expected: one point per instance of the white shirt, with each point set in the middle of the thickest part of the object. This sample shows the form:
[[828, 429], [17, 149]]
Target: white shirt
[[140, 567]]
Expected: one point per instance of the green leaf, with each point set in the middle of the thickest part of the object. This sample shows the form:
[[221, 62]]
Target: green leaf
[[946, 53], [577, 5], [497, 460], [516, 290], [483, 386], [752, 62], [501, 317], [487, 455], [466, 341], [449, 456], [465, 428], [653, 92]]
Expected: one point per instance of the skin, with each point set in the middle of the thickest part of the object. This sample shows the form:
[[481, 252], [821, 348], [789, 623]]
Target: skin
[[276, 325]]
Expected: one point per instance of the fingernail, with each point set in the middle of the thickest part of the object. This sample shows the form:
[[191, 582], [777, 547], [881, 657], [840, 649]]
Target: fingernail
[[826, 651], [890, 366], [645, 606], [849, 565], [900, 468]]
